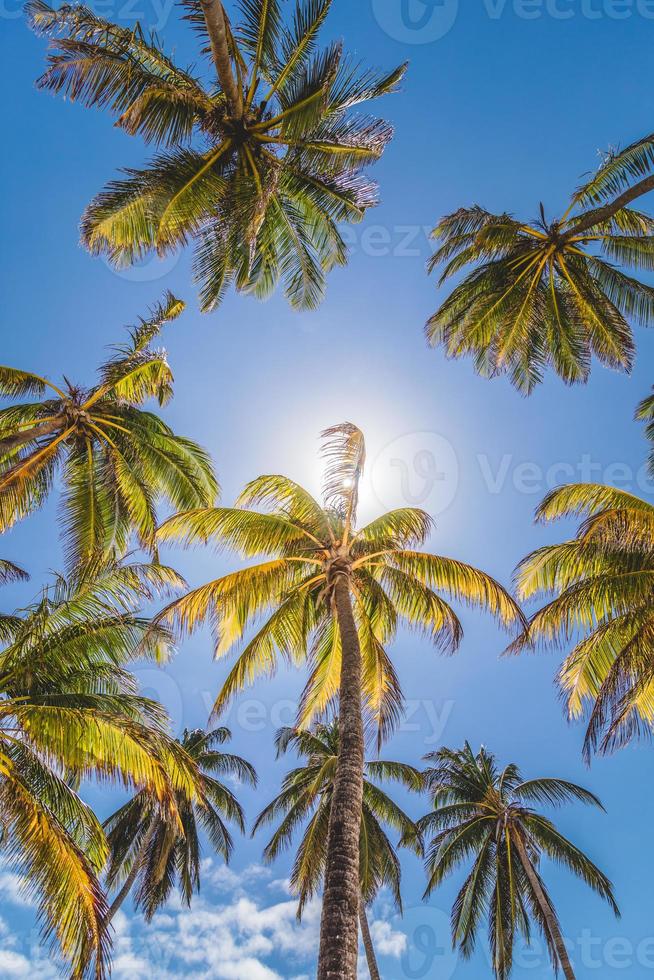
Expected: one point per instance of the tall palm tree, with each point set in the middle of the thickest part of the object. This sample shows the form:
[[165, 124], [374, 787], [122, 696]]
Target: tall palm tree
[[157, 845], [546, 294], [116, 459], [258, 163], [332, 596], [600, 603], [307, 795], [483, 813], [69, 710]]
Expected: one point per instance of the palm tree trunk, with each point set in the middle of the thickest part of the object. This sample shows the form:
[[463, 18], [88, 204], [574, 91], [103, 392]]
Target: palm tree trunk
[[373, 969], [214, 17], [131, 877], [546, 908], [339, 925], [602, 214]]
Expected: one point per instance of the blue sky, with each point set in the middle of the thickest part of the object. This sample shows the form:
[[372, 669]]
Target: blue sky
[[507, 108]]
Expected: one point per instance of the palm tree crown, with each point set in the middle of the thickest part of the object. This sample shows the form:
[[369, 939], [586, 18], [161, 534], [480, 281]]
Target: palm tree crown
[[600, 602], [483, 813], [306, 796], [117, 460], [547, 294], [258, 164], [157, 845], [69, 709], [287, 598]]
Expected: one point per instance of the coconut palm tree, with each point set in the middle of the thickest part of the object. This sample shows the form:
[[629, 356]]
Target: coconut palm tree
[[307, 794], [546, 294], [158, 846], [600, 604], [331, 595], [257, 163], [488, 815], [70, 710], [116, 460]]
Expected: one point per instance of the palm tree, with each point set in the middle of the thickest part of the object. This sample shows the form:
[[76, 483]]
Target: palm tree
[[117, 460], [598, 587], [546, 294], [257, 164], [307, 793], [331, 595], [157, 845], [70, 710], [482, 813]]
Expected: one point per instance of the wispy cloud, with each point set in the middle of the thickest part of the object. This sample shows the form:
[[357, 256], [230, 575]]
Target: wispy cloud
[[230, 933]]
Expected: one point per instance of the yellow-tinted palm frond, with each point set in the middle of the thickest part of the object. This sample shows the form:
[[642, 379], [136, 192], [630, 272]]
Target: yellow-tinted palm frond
[[578, 499], [247, 532], [72, 732], [600, 586], [59, 876], [322, 686], [401, 528], [288, 498], [285, 633], [461, 581], [230, 603]]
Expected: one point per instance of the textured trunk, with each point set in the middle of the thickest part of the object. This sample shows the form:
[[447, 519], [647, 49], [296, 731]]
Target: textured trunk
[[36, 432], [131, 877], [546, 908], [214, 17], [339, 926], [642, 187], [373, 969]]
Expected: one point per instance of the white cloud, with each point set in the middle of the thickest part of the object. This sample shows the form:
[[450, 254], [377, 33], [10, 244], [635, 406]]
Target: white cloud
[[230, 933], [386, 940], [11, 890], [13, 964]]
